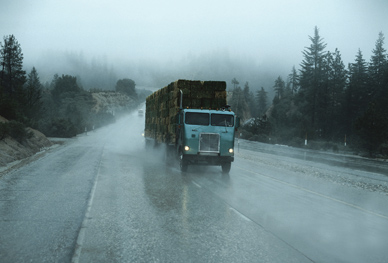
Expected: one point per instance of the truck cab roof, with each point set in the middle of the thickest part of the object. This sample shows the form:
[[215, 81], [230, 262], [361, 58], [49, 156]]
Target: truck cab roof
[[209, 111]]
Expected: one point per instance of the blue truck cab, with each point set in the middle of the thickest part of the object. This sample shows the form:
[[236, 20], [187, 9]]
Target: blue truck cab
[[206, 137]]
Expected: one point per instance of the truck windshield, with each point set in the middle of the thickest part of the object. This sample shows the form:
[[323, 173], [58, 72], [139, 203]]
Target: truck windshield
[[196, 118], [222, 120]]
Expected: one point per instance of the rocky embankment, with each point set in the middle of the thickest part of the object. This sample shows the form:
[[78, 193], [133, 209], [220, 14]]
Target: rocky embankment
[[11, 150]]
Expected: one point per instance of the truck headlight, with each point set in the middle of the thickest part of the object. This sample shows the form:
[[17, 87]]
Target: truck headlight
[[187, 148], [231, 150]]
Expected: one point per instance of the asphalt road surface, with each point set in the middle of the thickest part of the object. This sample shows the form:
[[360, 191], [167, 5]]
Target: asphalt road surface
[[100, 197]]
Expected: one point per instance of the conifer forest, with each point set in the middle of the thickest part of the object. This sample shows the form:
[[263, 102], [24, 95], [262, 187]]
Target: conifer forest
[[323, 101]]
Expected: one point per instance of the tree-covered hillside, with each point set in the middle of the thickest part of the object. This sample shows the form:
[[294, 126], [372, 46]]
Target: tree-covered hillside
[[323, 101], [59, 109]]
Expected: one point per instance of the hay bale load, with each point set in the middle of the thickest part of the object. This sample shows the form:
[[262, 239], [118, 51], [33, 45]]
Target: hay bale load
[[163, 105]]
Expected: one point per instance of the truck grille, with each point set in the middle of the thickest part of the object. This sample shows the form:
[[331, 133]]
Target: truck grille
[[209, 142]]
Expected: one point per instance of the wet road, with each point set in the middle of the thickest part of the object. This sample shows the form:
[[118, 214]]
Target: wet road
[[101, 198]]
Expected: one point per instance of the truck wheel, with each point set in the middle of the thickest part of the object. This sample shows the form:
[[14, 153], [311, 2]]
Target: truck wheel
[[226, 167], [182, 163]]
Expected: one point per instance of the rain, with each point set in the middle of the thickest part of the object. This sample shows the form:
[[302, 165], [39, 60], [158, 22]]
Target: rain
[[108, 189]]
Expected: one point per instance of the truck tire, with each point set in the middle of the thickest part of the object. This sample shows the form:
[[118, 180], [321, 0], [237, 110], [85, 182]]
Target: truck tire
[[182, 162], [226, 167]]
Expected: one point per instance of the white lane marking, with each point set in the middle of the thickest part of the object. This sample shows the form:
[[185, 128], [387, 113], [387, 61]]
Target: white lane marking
[[231, 208], [316, 193], [81, 233], [197, 185], [239, 214]]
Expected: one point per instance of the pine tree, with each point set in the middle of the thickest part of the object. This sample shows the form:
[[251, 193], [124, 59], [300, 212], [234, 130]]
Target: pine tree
[[311, 77], [64, 86], [246, 91], [279, 87], [249, 99], [262, 99], [372, 125], [33, 92], [292, 81], [377, 68], [378, 75], [323, 94], [238, 103], [357, 92], [338, 80], [12, 79], [235, 83], [12, 76]]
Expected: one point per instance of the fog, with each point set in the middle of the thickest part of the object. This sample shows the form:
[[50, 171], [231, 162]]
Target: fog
[[156, 42]]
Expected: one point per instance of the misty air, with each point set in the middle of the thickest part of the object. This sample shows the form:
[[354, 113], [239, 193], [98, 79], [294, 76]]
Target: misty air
[[222, 131]]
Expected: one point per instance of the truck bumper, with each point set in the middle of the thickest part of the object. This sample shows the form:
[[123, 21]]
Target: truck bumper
[[207, 159]]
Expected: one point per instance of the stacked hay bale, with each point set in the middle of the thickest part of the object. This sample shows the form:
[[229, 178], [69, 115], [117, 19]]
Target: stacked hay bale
[[162, 106]]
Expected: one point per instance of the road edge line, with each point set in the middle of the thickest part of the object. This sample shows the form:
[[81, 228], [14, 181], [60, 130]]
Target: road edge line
[[81, 234]]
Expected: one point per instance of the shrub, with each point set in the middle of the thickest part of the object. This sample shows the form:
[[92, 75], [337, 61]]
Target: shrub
[[62, 128], [15, 130], [18, 131], [296, 142]]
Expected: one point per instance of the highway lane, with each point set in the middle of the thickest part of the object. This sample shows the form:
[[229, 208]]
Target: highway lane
[[102, 198], [326, 221], [146, 211], [42, 204]]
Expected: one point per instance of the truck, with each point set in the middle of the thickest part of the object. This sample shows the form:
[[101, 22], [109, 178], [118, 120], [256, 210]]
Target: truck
[[195, 123]]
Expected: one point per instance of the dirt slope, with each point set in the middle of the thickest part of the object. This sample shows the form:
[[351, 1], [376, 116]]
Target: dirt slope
[[11, 150]]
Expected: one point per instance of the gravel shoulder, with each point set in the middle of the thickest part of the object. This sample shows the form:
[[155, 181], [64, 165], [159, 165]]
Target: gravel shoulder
[[342, 176]]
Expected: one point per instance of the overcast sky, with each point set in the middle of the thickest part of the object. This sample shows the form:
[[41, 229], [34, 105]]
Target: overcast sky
[[273, 31]]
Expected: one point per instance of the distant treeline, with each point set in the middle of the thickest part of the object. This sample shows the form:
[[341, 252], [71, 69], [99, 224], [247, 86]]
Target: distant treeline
[[61, 108], [322, 101]]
